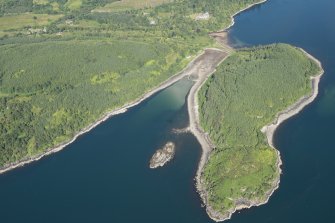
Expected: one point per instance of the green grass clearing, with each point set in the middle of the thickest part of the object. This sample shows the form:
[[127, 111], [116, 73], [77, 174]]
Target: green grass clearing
[[10, 22], [124, 5], [73, 4]]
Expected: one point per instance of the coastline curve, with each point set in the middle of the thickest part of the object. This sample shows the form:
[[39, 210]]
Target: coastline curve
[[268, 130], [173, 79]]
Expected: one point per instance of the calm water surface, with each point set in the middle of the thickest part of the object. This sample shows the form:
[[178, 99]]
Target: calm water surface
[[104, 175], [306, 141]]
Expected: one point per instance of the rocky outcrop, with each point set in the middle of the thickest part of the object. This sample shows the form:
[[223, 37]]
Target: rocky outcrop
[[162, 156]]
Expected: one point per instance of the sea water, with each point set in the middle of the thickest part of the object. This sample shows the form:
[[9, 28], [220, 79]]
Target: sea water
[[104, 176]]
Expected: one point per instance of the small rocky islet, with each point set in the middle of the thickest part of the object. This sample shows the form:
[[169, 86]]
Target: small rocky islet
[[163, 155]]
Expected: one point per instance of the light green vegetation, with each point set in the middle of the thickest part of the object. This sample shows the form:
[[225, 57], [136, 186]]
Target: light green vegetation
[[13, 22], [51, 90], [73, 4], [171, 19], [245, 93], [124, 5], [41, 2], [56, 81], [45, 3], [55, 6]]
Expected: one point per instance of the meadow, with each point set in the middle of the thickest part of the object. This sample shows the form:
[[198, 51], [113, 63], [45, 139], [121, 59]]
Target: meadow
[[28, 20], [125, 5], [73, 4]]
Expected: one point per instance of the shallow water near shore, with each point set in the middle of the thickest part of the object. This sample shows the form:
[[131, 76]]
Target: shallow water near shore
[[104, 176]]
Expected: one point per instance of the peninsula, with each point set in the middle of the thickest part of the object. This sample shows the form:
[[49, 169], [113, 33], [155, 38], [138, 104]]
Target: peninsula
[[253, 87], [66, 67]]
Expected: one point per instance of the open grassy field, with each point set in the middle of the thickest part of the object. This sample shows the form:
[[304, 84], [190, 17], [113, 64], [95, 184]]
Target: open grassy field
[[130, 5], [51, 90], [10, 22], [246, 92], [53, 4], [73, 4], [41, 2]]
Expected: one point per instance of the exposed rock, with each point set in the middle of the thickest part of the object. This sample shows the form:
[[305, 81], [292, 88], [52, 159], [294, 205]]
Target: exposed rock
[[152, 22], [181, 131], [69, 22], [162, 156], [202, 16]]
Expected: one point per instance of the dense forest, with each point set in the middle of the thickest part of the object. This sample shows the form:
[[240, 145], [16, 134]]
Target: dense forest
[[245, 93], [49, 91], [65, 63]]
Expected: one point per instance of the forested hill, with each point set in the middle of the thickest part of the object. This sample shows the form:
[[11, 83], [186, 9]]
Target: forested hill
[[246, 93]]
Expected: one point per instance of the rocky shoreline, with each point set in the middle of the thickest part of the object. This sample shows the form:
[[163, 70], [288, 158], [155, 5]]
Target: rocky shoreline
[[238, 12], [268, 130], [202, 60], [202, 70], [197, 131], [193, 65]]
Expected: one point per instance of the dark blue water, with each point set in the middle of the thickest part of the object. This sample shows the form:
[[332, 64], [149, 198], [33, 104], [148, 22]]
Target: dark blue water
[[306, 141], [104, 175]]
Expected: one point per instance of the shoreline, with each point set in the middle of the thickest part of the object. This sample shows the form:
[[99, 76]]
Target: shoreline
[[194, 124], [294, 109], [203, 139], [194, 121], [173, 79], [238, 12], [123, 108], [267, 130]]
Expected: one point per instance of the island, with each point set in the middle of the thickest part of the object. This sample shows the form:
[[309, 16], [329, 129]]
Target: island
[[162, 156]]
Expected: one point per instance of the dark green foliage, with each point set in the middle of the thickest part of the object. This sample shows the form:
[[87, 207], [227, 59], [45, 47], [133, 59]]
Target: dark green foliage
[[15, 6], [51, 90], [21, 6], [246, 92], [57, 80], [175, 19]]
